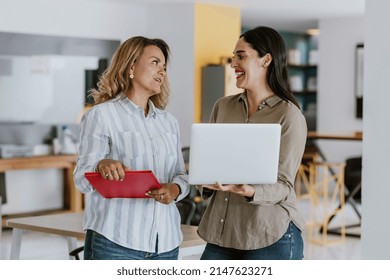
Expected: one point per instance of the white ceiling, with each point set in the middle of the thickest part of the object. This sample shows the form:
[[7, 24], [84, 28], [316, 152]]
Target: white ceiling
[[296, 15], [284, 15]]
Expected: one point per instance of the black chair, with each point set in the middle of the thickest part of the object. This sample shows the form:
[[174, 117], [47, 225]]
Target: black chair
[[75, 253], [186, 154], [353, 177], [186, 209], [352, 182]]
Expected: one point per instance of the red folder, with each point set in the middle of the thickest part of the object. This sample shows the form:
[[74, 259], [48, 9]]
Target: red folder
[[134, 185]]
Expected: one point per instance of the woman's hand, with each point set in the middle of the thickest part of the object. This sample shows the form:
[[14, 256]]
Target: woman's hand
[[166, 194], [244, 190], [111, 169]]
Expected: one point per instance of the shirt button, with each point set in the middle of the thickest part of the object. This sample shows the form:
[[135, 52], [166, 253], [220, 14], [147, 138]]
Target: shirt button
[[221, 220], [226, 199]]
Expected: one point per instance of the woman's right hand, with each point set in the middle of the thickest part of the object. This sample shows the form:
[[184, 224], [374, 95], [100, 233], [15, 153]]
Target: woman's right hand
[[112, 169]]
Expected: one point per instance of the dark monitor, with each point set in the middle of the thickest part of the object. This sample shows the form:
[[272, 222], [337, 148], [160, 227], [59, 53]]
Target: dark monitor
[[92, 77]]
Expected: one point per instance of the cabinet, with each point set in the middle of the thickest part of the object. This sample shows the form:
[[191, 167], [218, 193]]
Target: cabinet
[[217, 81]]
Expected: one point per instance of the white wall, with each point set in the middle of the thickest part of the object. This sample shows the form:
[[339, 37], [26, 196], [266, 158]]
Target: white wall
[[55, 85], [336, 81], [86, 19], [179, 34], [376, 143]]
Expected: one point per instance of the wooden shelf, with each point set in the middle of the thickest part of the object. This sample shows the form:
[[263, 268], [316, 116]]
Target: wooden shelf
[[305, 92], [73, 199], [302, 66]]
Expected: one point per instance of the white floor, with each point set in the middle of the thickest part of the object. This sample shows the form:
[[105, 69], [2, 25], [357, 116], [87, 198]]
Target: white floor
[[37, 246]]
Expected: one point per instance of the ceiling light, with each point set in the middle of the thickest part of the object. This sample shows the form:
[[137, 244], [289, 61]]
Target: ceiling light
[[313, 31]]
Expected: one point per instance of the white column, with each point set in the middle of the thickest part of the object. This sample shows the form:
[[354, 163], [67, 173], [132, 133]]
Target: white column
[[376, 133]]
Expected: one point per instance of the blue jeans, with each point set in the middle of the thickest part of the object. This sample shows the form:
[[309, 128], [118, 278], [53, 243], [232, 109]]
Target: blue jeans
[[289, 247], [97, 247]]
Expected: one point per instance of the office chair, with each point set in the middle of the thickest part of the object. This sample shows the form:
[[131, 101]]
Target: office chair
[[186, 154], [186, 209], [3, 199], [1, 218], [353, 177], [75, 253], [352, 182]]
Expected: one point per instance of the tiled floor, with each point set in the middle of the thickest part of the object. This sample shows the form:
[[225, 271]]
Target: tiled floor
[[37, 246]]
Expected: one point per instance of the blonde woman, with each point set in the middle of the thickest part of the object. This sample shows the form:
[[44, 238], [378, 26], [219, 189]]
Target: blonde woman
[[128, 129]]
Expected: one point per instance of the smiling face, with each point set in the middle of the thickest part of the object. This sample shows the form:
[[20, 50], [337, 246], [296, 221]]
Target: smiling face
[[248, 66], [149, 71]]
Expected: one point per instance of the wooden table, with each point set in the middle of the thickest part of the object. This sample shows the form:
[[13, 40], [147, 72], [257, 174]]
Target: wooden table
[[354, 136], [70, 226], [73, 200]]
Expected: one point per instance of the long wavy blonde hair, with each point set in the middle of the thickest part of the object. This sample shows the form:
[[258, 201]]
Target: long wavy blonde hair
[[116, 78]]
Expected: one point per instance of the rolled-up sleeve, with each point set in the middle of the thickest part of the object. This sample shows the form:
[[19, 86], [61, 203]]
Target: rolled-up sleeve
[[94, 146], [293, 139]]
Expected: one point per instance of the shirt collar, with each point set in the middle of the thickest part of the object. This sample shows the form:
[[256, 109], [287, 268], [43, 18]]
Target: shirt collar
[[270, 101], [131, 107]]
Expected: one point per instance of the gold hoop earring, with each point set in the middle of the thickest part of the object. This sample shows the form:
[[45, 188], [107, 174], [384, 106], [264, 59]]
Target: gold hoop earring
[[131, 76]]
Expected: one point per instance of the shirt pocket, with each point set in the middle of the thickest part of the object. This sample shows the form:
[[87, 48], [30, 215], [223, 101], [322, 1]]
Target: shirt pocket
[[165, 147], [129, 145], [165, 143]]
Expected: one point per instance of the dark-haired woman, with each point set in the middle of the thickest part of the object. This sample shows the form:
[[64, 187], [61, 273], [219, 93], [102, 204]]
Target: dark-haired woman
[[258, 221]]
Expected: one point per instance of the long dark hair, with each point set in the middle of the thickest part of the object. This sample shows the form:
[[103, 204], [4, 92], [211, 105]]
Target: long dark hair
[[265, 40]]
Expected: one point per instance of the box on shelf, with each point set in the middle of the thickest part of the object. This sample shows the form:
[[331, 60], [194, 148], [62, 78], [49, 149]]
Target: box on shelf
[[294, 57], [296, 83], [313, 57]]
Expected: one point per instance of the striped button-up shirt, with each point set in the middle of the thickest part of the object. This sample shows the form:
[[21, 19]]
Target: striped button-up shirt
[[118, 129]]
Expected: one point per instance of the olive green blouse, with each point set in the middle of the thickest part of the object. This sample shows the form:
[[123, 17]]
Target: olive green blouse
[[230, 219]]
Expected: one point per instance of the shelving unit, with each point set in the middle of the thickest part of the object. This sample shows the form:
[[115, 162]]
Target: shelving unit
[[306, 93], [302, 70]]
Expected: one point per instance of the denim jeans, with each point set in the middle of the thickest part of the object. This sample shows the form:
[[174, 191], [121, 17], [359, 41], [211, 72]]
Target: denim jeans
[[289, 247], [97, 247]]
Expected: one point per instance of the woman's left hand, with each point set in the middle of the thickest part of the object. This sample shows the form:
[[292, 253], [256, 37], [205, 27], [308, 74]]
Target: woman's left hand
[[244, 190], [166, 194]]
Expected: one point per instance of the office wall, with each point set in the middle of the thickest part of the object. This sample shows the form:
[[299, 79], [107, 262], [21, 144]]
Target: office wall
[[175, 24], [376, 143], [217, 29], [55, 85], [336, 81], [88, 19]]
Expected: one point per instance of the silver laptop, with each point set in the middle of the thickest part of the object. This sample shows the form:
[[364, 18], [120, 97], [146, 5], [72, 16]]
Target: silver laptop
[[234, 153]]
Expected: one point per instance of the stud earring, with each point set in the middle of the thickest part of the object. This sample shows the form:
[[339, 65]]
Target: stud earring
[[264, 65], [131, 76]]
